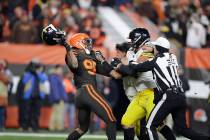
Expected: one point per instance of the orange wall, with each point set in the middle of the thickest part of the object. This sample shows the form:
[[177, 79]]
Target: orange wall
[[23, 54]]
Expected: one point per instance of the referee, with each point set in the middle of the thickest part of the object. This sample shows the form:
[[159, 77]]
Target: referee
[[164, 67]]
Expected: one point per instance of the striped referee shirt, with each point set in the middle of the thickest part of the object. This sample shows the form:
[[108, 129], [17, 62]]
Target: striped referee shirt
[[164, 67]]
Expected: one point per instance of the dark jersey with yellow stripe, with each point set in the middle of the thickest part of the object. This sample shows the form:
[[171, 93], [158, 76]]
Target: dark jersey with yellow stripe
[[87, 68]]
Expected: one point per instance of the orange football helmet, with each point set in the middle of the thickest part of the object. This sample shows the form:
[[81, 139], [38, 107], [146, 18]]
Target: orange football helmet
[[81, 41]]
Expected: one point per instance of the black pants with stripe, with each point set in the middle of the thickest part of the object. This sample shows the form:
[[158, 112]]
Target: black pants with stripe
[[89, 99], [174, 103]]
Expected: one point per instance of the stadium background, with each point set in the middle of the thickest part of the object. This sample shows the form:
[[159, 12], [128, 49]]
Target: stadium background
[[108, 22]]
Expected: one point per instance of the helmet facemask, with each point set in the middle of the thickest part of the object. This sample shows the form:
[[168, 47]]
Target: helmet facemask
[[86, 44], [139, 36], [140, 39]]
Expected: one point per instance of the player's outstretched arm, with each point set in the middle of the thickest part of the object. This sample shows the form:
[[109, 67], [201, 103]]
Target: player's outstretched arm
[[104, 68], [132, 69], [125, 69]]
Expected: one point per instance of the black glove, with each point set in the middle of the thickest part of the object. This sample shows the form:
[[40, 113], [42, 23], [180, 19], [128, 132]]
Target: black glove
[[59, 36], [99, 56], [115, 61], [61, 39]]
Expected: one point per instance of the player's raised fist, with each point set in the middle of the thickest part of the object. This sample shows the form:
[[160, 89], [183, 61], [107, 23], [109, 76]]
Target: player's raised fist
[[99, 56], [52, 35]]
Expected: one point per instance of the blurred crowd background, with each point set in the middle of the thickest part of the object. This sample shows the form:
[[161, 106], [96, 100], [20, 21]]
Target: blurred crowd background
[[21, 21], [186, 22]]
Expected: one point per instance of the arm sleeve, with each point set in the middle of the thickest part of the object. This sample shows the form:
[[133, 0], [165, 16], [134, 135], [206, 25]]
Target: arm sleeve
[[104, 68], [69, 64], [146, 66], [126, 70], [132, 69]]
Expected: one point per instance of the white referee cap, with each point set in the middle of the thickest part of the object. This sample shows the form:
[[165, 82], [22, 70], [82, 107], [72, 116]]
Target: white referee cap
[[162, 42]]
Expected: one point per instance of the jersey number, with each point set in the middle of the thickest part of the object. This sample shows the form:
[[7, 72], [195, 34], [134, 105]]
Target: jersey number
[[90, 66]]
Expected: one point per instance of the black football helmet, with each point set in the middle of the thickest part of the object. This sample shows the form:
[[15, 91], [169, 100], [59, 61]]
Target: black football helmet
[[139, 36], [52, 36]]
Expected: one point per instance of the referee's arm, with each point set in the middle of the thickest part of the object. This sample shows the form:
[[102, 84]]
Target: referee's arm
[[132, 69]]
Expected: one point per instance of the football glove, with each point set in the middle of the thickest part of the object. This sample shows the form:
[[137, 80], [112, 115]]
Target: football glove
[[115, 61], [99, 56]]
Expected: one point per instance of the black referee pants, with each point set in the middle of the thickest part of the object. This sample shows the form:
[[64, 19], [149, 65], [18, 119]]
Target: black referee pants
[[174, 103]]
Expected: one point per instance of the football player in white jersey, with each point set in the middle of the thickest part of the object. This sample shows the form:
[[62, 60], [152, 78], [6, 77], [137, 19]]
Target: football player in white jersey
[[139, 88]]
